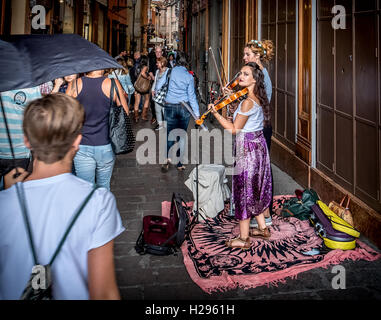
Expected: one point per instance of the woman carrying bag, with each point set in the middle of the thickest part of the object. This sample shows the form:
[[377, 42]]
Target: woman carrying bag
[[124, 78], [94, 161], [142, 87], [161, 77], [180, 89]]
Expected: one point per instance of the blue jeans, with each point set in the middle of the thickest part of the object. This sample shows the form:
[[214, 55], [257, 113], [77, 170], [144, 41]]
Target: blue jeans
[[177, 117], [95, 164]]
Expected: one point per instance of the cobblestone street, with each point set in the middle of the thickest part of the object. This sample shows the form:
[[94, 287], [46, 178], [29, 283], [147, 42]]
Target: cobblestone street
[[140, 189]]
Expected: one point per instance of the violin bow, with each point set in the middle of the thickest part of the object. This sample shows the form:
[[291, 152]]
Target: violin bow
[[222, 65], [215, 66]]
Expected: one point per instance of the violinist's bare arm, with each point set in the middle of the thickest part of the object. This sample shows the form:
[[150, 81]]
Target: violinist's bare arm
[[240, 120]]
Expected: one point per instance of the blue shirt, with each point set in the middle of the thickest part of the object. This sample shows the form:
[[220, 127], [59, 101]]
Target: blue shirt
[[268, 84], [160, 79], [125, 81], [181, 88]]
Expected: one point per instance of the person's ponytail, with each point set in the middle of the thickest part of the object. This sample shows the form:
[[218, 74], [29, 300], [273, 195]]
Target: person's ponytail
[[268, 50]]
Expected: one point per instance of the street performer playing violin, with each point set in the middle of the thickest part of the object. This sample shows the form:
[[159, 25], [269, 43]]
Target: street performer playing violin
[[252, 187], [259, 52]]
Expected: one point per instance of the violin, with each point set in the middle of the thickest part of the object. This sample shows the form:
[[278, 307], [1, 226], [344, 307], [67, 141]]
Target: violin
[[232, 85], [234, 82], [223, 103]]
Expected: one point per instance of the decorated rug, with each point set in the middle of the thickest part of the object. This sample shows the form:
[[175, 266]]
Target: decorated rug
[[214, 267]]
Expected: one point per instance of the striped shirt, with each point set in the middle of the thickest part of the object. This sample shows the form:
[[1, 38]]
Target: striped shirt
[[15, 102]]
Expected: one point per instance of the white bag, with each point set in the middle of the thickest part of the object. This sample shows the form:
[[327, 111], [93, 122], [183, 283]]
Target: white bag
[[213, 190]]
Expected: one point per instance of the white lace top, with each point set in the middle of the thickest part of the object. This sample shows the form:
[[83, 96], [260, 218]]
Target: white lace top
[[255, 120]]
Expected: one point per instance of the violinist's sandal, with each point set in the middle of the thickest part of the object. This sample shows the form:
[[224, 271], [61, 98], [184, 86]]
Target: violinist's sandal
[[240, 243], [259, 233]]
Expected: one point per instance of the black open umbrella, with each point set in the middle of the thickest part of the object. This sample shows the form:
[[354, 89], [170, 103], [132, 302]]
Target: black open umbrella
[[30, 60], [14, 69], [43, 58]]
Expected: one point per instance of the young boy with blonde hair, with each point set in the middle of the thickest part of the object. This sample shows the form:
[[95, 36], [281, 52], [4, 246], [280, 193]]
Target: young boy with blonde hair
[[84, 267]]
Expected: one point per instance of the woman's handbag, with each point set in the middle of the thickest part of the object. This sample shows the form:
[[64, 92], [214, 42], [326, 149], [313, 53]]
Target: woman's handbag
[[120, 127], [160, 95], [142, 85], [343, 212]]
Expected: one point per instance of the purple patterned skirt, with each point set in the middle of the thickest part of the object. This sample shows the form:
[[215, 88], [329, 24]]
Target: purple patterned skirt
[[252, 188]]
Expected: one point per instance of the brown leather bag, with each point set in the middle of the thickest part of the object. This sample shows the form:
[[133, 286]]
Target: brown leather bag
[[343, 212], [142, 85]]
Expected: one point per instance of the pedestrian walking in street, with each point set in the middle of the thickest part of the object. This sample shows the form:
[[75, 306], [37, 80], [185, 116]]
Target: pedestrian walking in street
[[142, 71], [84, 267], [136, 62], [171, 60], [154, 56], [94, 162], [124, 78], [252, 177], [61, 84], [160, 79], [15, 102], [181, 89], [134, 74]]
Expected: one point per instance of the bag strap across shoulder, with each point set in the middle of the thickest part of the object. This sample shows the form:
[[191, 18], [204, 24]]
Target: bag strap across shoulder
[[168, 76], [114, 86], [21, 195], [83, 205]]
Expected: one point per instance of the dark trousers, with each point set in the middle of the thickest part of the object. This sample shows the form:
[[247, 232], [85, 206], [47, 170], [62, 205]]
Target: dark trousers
[[152, 105], [177, 117], [268, 132]]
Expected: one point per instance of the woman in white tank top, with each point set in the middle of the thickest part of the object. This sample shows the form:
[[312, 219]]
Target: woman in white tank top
[[252, 187]]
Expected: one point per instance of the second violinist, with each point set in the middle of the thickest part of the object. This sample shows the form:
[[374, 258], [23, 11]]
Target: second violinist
[[252, 186]]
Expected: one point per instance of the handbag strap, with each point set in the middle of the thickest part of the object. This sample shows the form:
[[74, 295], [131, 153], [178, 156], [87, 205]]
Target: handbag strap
[[21, 195], [168, 76], [114, 86], [76, 86], [342, 201], [349, 199]]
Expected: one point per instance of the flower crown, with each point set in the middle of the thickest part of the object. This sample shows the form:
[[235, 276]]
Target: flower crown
[[258, 45]]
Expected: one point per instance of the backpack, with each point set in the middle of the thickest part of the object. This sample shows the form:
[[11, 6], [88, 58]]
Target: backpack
[[161, 235], [300, 206], [39, 286]]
